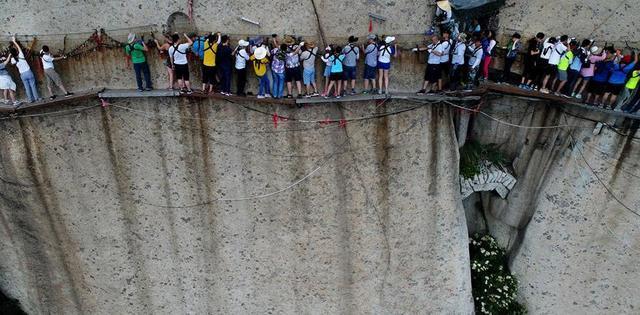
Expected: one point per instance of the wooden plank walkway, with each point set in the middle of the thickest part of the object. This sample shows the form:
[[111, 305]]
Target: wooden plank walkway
[[45, 103], [393, 96], [127, 93], [503, 89]]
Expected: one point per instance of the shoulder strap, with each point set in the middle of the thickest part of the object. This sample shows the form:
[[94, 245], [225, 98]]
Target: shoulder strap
[[373, 50]]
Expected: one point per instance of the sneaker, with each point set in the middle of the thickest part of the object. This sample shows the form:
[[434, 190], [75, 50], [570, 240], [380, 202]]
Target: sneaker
[[289, 96], [16, 104], [307, 96], [565, 96], [338, 96], [149, 89], [365, 92], [68, 94], [353, 91], [140, 90], [379, 92], [579, 96], [260, 96], [544, 91], [556, 93], [421, 92], [53, 97], [326, 96], [189, 91], [267, 95]]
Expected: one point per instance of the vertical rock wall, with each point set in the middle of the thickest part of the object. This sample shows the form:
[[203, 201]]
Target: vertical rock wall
[[112, 211]]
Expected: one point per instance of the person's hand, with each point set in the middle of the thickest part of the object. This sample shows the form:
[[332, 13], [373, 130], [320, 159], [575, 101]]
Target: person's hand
[[13, 38], [64, 56], [415, 49], [301, 44]]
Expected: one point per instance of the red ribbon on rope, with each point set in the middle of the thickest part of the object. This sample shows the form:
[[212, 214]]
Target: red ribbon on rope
[[343, 123], [325, 122], [275, 120], [104, 103]]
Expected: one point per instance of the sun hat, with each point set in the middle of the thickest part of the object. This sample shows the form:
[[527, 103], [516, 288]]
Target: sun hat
[[371, 36], [260, 52], [288, 40], [462, 36], [131, 38], [243, 43], [389, 39], [594, 49], [352, 39], [444, 5]]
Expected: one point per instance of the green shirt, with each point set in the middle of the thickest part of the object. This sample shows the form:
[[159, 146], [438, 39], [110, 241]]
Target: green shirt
[[565, 61], [136, 51], [632, 84]]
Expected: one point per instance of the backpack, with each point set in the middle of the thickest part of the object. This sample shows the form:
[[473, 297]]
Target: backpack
[[198, 47], [584, 58]]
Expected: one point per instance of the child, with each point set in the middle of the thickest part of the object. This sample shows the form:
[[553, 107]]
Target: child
[[370, 63], [328, 52], [387, 50], [6, 84], [28, 79], [50, 73], [336, 72], [241, 56], [308, 58], [277, 69], [135, 49], [178, 55], [474, 63], [164, 49], [260, 63], [513, 48]]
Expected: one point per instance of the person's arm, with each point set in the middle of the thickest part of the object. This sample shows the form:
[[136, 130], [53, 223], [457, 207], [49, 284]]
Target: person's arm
[[476, 64], [396, 52], [492, 44], [144, 46], [189, 39], [15, 43], [7, 60]]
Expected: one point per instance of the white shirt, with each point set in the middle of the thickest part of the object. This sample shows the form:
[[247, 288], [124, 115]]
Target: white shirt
[[475, 60], [241, 59], [446, 47], [556, 53], [47, 61], [384, 54], [458, 54], [433, 58], [179, 57], [21, 63], [547, 48]]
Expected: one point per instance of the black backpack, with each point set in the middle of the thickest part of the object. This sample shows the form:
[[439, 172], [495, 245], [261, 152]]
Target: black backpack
[[583, 56]]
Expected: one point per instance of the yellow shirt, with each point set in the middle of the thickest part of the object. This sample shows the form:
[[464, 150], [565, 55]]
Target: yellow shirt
[[260, 66], [210, 54]]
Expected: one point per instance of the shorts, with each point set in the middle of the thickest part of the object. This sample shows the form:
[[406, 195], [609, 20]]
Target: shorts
[[432, 73], [182, 72], [384, 65], [292, 74], [541, 66], [586, 79], [614, 89], [327, 71], [444, 68], [336, 76], [597, 88], [562, 75], [369, 72], [52, 76], [550, 69], [208, 74], [309, 76], [349, 73], [6, 83]]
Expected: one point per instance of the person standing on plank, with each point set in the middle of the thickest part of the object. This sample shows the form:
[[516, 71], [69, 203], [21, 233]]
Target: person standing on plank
[[135, 49], [50, 73]]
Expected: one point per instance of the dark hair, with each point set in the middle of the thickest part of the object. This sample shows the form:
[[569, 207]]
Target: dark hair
[[283, 47], [45, 48], [446, 32], [552, 40], [175, 38], [14, 52], [517, 35], [489, 34], [211, 38], [337, 50], [564, 38], [586, 42], [224, 38], [540, 35]]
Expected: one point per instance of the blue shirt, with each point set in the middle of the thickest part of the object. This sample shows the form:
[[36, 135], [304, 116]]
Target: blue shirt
[[371, 55], [602, 71], [576, 64], [619, 74], [198, 47]]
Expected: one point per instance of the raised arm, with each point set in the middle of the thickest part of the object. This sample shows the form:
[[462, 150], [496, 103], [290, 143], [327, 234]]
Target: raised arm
[[15, 43], [144, 46], [188, 39]]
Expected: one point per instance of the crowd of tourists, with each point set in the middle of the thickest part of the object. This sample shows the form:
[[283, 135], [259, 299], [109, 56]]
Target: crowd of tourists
[[286, 68]]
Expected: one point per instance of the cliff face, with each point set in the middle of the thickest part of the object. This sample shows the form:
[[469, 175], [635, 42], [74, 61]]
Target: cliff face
[[569, 222], [118, 211]]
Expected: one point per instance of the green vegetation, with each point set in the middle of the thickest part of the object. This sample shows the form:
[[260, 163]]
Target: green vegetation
[[474, 154], [494, 287]]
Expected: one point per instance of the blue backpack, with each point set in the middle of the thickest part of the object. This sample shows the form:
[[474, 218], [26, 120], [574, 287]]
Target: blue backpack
[[198, 47]]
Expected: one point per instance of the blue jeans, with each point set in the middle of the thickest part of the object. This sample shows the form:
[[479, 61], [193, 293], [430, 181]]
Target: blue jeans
[[278, 84], [263, 85], [142, 69], [29, 82]]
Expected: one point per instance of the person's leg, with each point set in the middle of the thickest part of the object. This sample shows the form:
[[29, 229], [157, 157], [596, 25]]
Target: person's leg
[[485, 67], [380, 79], [147, 75], [560, 86], [137, 68], [170, 78], [508, 63], [27, 87], [12, 95], [386, 81], [49, 84], [339, 88]]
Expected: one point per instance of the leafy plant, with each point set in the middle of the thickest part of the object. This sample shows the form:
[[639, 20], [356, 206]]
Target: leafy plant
[[494, 288], [474, 154]]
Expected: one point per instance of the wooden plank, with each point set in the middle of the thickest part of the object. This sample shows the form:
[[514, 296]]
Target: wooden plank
[[571, 102], [77, 96], [235, 98], [130, 93], [393, 96]]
